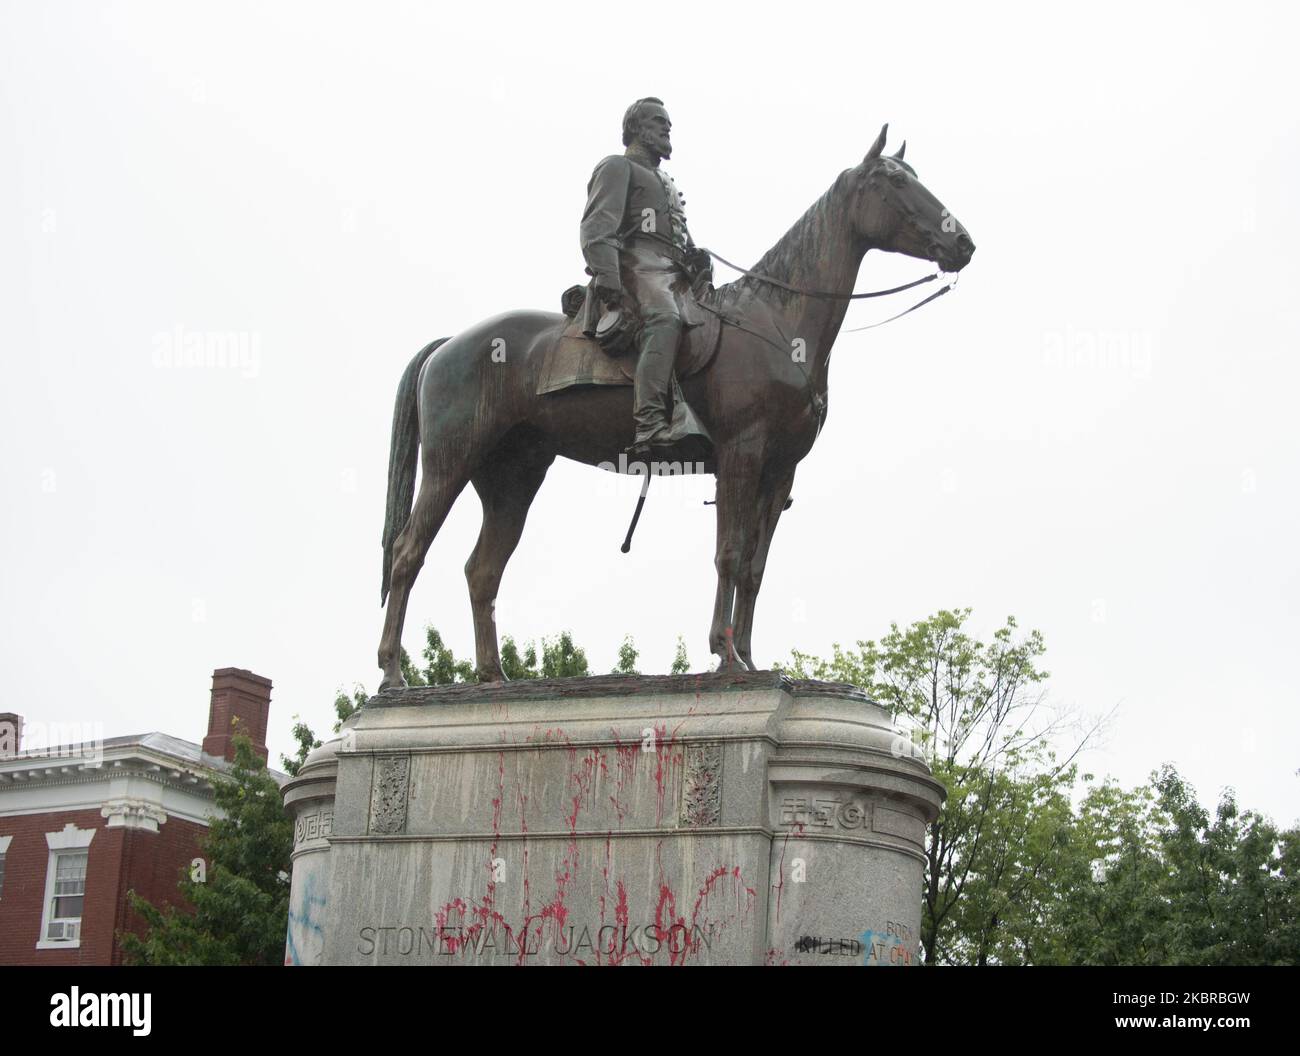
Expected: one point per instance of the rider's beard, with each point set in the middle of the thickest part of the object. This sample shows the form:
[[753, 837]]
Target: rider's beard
[[648, 152]]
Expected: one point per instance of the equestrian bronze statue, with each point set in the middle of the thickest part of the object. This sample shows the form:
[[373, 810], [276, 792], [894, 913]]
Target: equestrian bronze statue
[[494, 405]]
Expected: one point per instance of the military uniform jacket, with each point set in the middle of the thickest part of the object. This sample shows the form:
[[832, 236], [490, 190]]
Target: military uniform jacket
[[627, 200]]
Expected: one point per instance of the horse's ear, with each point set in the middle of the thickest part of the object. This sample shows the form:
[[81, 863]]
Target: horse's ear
[[878, 145], [899, 153]]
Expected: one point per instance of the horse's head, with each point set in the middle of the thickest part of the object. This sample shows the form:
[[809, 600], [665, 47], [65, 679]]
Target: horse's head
[[896, 212]]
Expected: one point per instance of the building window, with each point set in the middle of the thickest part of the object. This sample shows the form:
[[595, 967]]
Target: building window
[[64, 910], [4, 849], [65, 888]]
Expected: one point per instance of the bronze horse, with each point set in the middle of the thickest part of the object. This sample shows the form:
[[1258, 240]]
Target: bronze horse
[[479, 419]]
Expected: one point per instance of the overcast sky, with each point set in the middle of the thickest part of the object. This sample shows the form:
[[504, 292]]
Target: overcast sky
[[1094, 433]]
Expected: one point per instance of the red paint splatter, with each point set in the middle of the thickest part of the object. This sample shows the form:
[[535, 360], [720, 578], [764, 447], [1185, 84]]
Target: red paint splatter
[[588, 767], [797, 830]]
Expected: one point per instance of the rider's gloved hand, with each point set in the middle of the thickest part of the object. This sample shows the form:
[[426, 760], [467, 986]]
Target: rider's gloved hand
[[610, 296]]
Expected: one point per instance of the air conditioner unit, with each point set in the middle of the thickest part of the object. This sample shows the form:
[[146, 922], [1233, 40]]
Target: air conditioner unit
[[64, 930]]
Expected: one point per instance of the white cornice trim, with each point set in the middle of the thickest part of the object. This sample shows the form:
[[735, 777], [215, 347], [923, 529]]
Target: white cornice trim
[[186, 804], [98, 804], [162, 767], [188, 783]]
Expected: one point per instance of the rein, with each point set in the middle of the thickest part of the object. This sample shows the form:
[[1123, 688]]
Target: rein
[[823, 294], [827, 295], [919, 304]]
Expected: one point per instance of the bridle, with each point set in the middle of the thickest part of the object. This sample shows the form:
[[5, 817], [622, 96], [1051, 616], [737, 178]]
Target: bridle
[[818, 402]]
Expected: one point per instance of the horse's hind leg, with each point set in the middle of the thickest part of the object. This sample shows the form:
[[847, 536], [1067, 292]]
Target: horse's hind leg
[[437, 494], [506, 485]]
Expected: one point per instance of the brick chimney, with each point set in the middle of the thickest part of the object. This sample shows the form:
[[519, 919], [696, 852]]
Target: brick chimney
[[11, 733], [241, 703]]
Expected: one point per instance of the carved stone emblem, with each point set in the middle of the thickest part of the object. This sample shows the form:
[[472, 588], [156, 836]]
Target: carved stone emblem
[[316, 825], [827, 811], [702, 786], [388, 794]]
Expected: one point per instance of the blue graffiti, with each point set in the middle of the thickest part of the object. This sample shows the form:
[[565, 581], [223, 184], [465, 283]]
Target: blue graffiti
[[308, 919], [869, 948], [874, 955]]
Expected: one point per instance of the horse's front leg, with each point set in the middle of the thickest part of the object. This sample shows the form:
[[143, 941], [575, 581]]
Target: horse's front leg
[[737, 508], [771, 503]]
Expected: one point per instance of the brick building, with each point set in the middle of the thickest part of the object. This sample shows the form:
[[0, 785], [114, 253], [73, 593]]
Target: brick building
[[83, 824]]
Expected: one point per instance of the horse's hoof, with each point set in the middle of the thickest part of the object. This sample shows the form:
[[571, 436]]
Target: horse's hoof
[[392, 682]]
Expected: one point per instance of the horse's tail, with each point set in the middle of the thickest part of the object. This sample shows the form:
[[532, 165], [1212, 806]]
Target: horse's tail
[[403, 459]]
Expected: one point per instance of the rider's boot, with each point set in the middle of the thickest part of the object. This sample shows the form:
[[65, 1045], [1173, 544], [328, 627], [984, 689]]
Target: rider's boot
[[654, 371]]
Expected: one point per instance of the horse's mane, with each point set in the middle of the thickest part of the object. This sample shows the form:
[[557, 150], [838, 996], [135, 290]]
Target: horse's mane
[[796, 250]]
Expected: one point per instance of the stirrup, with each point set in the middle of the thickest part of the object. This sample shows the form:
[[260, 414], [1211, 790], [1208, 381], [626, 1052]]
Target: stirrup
[[661, 438]]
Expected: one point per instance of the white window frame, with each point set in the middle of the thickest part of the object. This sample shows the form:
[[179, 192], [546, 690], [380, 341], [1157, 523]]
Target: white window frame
[[71, 840], [4, 849]]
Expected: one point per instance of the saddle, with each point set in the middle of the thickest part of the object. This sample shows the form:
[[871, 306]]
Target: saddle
[[575, 359]]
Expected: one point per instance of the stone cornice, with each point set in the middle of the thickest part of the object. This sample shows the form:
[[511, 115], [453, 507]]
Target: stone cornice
[[556, 690]]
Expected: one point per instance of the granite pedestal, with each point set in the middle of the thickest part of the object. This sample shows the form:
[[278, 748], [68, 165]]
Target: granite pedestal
[[744, 818]]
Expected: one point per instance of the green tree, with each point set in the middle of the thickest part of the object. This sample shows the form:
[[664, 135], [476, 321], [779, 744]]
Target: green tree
[[441, 668], [1010, 870], [239, 912], [346, 706], [1195, 888], [681, 662], [412, 674], [627, 657], [1110, 909], [516, 666], [306, 739], [562, 659]]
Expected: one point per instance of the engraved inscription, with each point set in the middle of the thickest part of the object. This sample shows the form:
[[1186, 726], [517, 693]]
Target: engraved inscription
[[825, 812], [498, 940], [388, 794], [314, 826], [702, 785]]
